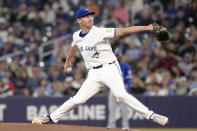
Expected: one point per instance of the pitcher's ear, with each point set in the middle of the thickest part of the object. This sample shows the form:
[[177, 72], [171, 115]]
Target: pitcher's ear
[[78, 21]]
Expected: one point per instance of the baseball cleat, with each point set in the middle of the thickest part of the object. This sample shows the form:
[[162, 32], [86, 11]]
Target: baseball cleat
[[125, 128], [41, 120], [162, 120]]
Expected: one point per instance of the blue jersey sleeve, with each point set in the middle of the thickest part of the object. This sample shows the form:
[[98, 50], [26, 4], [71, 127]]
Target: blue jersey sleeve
[[127, 74]]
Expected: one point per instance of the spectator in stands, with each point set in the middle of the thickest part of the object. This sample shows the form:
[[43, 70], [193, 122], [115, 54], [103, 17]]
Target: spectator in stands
[[182, 86], [6, 49], [22, 14], [62, 16], [121, 44], [193, 92], [168, 84], [186, 64], [15, 65], [2, 69], [177, 73], [121, 14], [43, 89], [64, 29], [144, 18], [153, 78], [134, 7], [3, 29], [34, 78], [133, 51], [57, 89], [9, 75], [164, 62], [148, 43], [150, 90], [5, 89], [171, 49], [21, 82], [142, 68], [13, 38], [193, 85], [177, 38], [137, 85], [171, 10], [164, 87], [54, 33], [180, 19], [107, 13], [193, 30], [187, 48], [58, 63], [77, 82], [47, 15], [55, 75], [37, 38], [172, 88], [68, 89], [184, 5], [27, 35], [30, 63], [132, 62], [26, 92], [34, 18], [192, 13]]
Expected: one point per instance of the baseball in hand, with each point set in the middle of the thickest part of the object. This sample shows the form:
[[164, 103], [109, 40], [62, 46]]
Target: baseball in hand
[[69, 69]]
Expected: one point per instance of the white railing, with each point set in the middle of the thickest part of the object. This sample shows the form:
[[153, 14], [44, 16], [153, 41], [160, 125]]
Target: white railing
[[41, 52], [5, 57]]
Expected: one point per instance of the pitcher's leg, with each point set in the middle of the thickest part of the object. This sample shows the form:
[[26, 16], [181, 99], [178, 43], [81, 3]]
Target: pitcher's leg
[[88, 89], [114, 81], [112, 106], [134, 104]]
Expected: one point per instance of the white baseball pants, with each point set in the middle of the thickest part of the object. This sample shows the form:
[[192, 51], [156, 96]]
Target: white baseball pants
[[109, 75]]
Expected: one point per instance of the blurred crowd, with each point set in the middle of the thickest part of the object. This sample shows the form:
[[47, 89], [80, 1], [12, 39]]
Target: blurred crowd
[[158, 68]]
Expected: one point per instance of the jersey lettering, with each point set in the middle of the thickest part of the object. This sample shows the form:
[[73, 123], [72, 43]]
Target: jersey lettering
[[88, 48]]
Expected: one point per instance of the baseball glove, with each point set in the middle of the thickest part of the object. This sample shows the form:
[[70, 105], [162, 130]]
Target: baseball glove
[[160, 32]]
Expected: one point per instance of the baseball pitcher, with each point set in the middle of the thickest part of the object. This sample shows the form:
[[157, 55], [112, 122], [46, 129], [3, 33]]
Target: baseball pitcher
[[103, 68]]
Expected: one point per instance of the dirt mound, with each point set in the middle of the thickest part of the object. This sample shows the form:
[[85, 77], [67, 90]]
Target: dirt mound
[[49, 127]]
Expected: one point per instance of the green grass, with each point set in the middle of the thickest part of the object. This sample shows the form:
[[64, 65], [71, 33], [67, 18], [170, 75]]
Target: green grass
[[166, 129]]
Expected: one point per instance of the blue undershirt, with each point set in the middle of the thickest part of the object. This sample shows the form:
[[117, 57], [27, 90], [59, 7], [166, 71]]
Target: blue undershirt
[[82, 35]]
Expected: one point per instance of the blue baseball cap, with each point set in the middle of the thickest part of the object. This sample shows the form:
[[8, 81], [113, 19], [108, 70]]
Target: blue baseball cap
[[83, 12]]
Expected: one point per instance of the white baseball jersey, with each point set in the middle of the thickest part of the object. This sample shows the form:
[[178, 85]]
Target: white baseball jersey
[[95, 47]]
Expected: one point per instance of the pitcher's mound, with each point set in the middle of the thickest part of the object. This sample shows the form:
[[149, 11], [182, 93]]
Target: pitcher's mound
[[49, 127]]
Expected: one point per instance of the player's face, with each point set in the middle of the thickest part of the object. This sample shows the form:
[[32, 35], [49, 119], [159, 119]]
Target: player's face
[[119, 58], [86, 21]]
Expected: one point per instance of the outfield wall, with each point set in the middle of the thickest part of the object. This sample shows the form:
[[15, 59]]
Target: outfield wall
[[181, 110]]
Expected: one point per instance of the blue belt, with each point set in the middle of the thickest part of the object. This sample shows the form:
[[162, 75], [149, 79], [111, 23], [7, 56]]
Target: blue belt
[[100, 66]]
